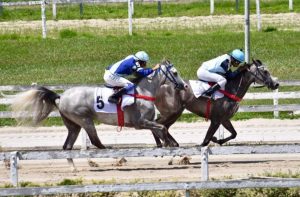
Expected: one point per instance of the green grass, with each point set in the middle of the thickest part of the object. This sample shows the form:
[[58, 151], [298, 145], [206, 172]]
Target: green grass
[[143, 10], [81, 60]]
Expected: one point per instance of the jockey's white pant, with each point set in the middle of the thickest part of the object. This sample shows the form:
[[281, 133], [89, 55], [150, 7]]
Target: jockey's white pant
[[205, 75], [116, 80]]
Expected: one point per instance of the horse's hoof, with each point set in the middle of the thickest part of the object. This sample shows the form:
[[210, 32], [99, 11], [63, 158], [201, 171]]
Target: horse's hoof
[[215, 140], [159, 146]]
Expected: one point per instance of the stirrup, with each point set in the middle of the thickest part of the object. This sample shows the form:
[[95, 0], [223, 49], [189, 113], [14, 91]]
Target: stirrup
[[206, 96]]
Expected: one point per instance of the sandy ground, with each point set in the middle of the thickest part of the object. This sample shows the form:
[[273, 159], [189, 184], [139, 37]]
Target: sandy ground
[[158, 169]]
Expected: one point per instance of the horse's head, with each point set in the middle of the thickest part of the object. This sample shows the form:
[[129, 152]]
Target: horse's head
[[168, 73], [262, 76]]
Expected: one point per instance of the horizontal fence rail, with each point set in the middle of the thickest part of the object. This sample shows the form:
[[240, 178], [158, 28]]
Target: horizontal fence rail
[[162, 186]]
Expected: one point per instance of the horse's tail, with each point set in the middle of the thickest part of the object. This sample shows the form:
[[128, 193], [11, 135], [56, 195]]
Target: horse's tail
[[34, 105]]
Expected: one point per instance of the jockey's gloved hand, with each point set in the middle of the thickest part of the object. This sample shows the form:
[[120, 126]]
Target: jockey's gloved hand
[[156, 67]]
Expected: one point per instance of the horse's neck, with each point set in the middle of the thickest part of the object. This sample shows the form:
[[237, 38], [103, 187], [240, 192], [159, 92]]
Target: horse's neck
[[240, 85], [148, 87]]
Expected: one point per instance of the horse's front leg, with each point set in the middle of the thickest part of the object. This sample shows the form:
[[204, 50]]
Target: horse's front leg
[[214, 125], [227, 124], [158, 130], [167, 122]]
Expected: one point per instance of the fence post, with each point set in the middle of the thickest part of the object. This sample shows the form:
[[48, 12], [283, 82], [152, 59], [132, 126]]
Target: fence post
[[247, 31], [81, 9], [237, 5], [14, 168], [187, 193], [275, 102], [1, 8], [54, 9], [85, 141], [43, 9], [132, 7], [129, 18], [204, 163], [258, 15], [212, 7], [159, 7], [291, 5]]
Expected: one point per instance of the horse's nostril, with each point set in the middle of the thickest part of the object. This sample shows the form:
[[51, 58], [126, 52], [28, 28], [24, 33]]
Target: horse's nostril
[[277, 85]]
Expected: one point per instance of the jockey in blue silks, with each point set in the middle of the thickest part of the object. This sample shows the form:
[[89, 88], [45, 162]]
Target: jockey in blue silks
[[218, 70], [115, 74]]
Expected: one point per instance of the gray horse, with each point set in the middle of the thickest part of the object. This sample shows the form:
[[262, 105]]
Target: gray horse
[[171, 103], [76, 107]]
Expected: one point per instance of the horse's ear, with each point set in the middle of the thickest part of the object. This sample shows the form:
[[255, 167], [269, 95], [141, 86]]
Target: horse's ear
[[259, 62]]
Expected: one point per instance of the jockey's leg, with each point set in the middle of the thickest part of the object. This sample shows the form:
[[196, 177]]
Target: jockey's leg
[[211, 90], [212, 77], [115, 98]]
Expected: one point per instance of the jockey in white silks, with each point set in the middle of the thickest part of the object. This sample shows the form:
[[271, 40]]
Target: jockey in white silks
[[115, 74], [218, 70]]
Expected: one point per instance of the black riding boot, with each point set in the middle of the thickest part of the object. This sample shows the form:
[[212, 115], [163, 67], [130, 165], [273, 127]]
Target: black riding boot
[[211, 90], [116, 96]]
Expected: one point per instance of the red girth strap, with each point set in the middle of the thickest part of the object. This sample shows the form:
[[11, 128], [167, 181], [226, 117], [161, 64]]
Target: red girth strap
[[207, 114], [121, 113], [229, 95], [120, 116]]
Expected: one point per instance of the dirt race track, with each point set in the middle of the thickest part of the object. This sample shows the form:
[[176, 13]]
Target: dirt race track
[[154, 169]]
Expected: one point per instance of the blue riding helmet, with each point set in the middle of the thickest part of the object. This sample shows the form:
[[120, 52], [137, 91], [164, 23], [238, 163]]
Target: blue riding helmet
[[238, 55], [142, 56]]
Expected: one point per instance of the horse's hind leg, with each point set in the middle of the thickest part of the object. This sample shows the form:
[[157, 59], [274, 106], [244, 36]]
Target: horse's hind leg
[[227, 124], [73, 131], [89, 127], [214, 125]]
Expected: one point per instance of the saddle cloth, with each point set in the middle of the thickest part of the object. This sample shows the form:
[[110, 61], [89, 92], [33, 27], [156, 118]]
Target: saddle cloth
[[101, 103], [199, 87]]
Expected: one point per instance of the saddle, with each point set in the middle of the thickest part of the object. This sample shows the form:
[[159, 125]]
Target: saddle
[[200, 87]]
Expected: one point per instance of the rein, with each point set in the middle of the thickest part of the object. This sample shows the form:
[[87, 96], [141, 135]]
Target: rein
[[258, 78], [138, 96], [169, 75]]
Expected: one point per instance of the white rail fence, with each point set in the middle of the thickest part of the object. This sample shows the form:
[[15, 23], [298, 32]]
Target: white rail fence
[[187, 186], [149, 152], [275, 96], [130, 8]]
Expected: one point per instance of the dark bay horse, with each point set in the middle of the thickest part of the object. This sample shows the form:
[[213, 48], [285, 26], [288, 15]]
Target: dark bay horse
[[76, 107], [171, 103]]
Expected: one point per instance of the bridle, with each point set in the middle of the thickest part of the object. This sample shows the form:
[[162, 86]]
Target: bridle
[[168, 73], [259, 73]]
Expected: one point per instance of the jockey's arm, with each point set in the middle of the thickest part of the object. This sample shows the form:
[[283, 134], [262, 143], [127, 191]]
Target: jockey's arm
[[144, 71], [230, 75]]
